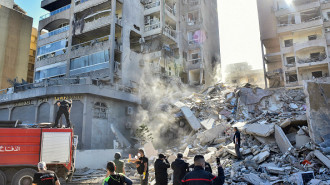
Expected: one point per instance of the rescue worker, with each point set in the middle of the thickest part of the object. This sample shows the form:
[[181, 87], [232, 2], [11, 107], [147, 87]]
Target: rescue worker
[[142, 167], [64, 108], [115, 178], [180, 169], [201, 177], [237, 141], [120, 165], [161, 166], [45, 177]]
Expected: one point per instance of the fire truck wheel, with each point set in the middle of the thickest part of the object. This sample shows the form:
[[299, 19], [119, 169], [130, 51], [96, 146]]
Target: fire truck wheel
[[23, 177], [3, 179]]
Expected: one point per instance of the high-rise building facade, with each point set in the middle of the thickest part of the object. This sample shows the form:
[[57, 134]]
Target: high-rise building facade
[[295, 36]]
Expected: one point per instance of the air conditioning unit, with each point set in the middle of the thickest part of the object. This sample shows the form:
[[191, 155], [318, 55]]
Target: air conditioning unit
[[129, 111], [327, 29]]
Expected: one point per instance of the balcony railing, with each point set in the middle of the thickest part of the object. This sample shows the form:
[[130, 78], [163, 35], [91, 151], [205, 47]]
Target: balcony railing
[[55, 32], [274, 72], [303, 21], [320, 58], [55, 12], [171, 10], [168, 31], [52, 54], [151, 27], [77, 2], [91, 42], [194, 2], [151, 5]]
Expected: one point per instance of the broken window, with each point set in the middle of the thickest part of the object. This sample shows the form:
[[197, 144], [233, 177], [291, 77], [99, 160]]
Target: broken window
[[315, 55], [317, 74], [293, 77], [312, 37], [136, 42], [193, 18], [185, 55], [290, 60], [288, 43], [100, 110], [195, 57]]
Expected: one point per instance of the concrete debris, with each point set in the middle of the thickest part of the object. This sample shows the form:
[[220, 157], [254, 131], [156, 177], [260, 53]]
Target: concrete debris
[[261, 157], [325, 160], [259, 130], [281, 140], [208, 123], [192, 120]]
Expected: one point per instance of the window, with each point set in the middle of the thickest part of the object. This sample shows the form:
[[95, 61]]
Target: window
[[59, 70], [312, 37], [288, 43], [290, 60], [293, 78], [90, 62], [185, 55], [52, 47], [317, 74], [100, 110], [315, 55], [193, 18]]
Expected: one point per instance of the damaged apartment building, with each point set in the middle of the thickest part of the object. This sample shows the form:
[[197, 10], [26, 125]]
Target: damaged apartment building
[[95, 52], [295, 37]]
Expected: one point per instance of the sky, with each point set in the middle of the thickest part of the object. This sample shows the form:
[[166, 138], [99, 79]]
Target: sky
[[238, 22]]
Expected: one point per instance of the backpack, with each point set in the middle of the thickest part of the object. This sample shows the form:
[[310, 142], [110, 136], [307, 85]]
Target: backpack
[[117, 179]]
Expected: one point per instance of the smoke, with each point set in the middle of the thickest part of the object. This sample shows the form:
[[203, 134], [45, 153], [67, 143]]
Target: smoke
[[157, 93]]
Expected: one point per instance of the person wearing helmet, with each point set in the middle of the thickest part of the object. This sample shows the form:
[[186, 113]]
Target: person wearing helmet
[[120, 165]]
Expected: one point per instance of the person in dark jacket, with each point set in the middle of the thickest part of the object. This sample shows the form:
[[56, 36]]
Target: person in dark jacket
[[201, 177], [64, 108], [237, 141], [114, 178], [208, 167], [180, 169], [161, 166]]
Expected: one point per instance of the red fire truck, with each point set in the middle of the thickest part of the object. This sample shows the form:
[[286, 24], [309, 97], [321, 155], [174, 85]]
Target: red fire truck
[[22, 148]]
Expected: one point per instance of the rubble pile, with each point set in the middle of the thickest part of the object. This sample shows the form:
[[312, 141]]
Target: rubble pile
[[275, 138]]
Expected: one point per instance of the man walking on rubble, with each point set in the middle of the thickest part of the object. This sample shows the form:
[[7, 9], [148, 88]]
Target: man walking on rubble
[[114, 178], [180, 169], [161, 166], [237, 141], [64, 108], [201, 177]]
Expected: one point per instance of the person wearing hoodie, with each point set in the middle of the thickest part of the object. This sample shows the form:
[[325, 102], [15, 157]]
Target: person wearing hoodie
[[161, 166], [180, 169]]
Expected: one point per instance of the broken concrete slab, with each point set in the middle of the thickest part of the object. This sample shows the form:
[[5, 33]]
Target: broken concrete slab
[[150, 150], [259, 130], [212, 134], [322, 158], [262, 156], [281, 139], [254, 179], [208, 123], [285, 123], [186, 152], [190, 117], [301, 139], [318, 109], [266, 140]]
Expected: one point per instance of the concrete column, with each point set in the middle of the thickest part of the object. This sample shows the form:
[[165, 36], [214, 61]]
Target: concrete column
[[264, 64], [112, 39], [51, 111], [36, 112], [328, 67], [68, 51], [297, 18], [10, 112], [162, 14], [201, 75]]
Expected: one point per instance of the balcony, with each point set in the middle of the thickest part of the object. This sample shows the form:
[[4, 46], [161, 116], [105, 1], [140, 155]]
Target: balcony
[[90, 47], [302, 62], [45, 61], [82, 5], [317, 21], [153, 55], [273, 57], [55, 12], [194, 64], [298, 8], [93, 23], [151, 8], [170, 12], [319, 42], [152, 29], [169, 32], [193, 4], [51, 5], [54, 32], [325, 4], [276, 72]]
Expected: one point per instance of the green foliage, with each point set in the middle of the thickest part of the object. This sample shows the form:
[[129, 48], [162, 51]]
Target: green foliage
[[143, 133]]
